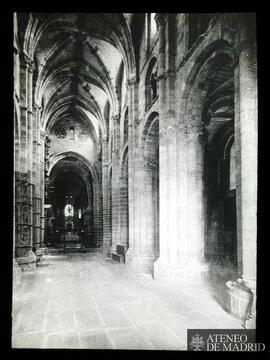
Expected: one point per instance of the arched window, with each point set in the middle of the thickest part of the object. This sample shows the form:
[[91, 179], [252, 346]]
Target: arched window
[[72, 133], [151, 83], [229, 167], [69, 210]]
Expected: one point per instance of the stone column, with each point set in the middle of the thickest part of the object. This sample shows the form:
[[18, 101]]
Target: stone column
[[135, 255], [105, 191], [124, 202], [115, 184], [25, 257], [38, 177], [246, 132], [181, 171], [196, 265], [165, 266], [30, 155], [38, 204], [147, 228], [97, 208], [34, 180], [16, 271], [42, 186], [163, 151]]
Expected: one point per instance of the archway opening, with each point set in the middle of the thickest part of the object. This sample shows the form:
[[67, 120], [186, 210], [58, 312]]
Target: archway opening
[[70, 214], [211, 87]]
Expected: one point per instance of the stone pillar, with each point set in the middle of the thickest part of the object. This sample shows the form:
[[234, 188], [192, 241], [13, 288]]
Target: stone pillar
[[123, 182], [246, 132], [135, 255], [196, 265], [181, 171], [38, 170], [42, 187], [36, 229], [105, 199], [164, 267], [38, 179], [163, 170], [147, 238], [115, 184], [23, 251], [30, 155], [16, 271], [97, 208]]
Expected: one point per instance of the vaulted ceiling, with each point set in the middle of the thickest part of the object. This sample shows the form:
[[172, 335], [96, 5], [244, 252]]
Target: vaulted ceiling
[[79, 59]]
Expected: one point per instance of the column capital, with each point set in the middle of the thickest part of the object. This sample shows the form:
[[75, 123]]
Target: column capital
[[203, 134], [47, 140], [26, 60], [250, 47], [149, 163], [42, 134], [132, 80], [116, 118], [160, 19], [37, 107], [193, 128], [161, 77], [31, 67]]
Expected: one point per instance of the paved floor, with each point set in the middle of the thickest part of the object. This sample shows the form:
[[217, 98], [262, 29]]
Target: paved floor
[[88, 302]]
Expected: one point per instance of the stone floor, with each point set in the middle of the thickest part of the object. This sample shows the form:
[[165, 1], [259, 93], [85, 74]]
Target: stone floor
[[85, 301]]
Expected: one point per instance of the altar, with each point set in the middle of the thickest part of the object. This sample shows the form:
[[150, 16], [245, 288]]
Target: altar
[[69, 237]]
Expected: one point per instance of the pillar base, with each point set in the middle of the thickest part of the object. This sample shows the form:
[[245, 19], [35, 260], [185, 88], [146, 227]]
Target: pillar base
[[111, 251], [40, 252], [16, 275], [193, 272], [106, 250], [142, 264], [41, 257], [27, 263]]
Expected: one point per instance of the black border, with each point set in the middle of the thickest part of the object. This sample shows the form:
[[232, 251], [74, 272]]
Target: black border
[[6, 57]]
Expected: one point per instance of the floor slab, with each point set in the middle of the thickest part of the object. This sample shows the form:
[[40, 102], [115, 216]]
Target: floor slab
[[88, 301]]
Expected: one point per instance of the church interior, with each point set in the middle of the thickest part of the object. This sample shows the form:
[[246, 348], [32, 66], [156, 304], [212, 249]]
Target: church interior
[[135, 178]]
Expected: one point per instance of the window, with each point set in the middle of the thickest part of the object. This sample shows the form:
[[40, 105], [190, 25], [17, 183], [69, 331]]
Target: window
[[151, 83], [69, 211], [72, 133], [228, 168]]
